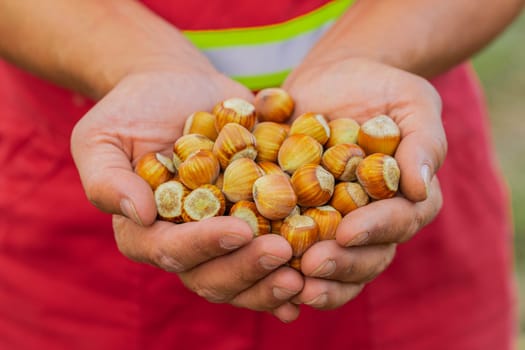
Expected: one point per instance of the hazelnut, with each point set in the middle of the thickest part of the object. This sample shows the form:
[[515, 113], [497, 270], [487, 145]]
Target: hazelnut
[[379, 135], [313, 185], [188, 144], [301, 232], [203, 202], [234, 141], [342, 159], [234, 110], [273, 104], [202, 123], [268, 137], [327, 219], [342, 130], [379, 175], [155, 168], [298, 150], [248, 212], [271, 168], [168, 199], [200, 168], [238, 180], [312, 124], [274, 196], [348, 196]]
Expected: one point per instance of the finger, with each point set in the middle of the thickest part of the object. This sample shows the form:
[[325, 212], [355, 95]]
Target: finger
[[329, 260], [287, 312], [392, 220], [325, 294], [272, 291], [221, 279], [178, 248], [423, 145], [107, 175]]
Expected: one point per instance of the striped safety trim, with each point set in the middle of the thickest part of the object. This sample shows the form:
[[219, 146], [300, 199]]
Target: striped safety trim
[[260, 57]]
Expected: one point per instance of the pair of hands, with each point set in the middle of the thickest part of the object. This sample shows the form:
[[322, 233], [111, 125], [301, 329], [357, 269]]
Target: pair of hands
[[218, 258]]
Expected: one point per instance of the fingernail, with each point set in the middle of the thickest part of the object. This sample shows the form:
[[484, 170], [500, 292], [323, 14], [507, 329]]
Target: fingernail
[[232, 241], [318, 301], [128, 209], [283, 293], [270, 262], [325, 269], [358, 239], [425, 174]]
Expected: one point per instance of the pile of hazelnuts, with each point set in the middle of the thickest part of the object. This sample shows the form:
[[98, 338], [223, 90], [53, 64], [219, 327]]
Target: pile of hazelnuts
[[297, 180]]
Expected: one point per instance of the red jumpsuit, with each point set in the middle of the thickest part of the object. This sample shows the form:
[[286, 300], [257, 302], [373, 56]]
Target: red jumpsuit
[[64, 285]]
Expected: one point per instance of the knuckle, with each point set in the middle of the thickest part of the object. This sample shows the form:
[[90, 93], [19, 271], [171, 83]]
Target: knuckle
[[210, 294], [200, 247], [169, 263], [386, 259], [122, 240], [440, 148]]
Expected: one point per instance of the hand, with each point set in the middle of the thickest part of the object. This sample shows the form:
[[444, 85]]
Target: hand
[[366, 239], [216, 258]]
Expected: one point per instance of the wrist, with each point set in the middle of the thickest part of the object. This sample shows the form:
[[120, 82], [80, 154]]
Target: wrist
[[135, 41]]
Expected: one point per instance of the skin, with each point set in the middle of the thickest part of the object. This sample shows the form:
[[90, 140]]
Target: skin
[[148, 78]]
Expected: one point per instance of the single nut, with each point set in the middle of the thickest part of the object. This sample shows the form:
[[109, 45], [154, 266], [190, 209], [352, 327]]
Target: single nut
[[327, 219], [277, 224], [234, 110], [188, 144], [200, 168], [312, 124], [202, 123], [234, 141], [342, 159], [239, 177], [379, 135], [298, 150], [168, 199], [203, 202], [155, 168], [248, 212], [379, 175], [348, 196], [301, 232], [342, 130], [271, 168], [274, 196], [313, 185], [269, 136], [273, 104]]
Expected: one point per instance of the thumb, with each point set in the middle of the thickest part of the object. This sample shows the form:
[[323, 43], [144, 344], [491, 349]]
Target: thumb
[[420, 154], [108, 178]]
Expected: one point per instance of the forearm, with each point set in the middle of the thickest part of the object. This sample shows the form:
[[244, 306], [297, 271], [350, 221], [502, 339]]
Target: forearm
[[89, 46], [423, 37]]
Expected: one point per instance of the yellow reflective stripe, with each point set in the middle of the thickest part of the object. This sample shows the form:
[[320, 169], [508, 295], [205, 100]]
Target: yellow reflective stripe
[[259, 82], [206, 39]]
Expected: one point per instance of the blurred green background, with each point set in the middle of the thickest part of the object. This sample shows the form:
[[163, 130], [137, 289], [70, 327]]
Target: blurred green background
[[501, 68]]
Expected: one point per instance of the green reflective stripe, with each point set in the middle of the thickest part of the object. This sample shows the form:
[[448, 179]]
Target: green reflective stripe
[[207, 39], [259, 82]]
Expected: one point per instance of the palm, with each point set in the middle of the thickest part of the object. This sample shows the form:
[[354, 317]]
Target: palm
[[146, 113], [359, 89]]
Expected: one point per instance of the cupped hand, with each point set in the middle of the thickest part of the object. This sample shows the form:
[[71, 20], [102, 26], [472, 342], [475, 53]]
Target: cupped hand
[[367, 237], [217, 258]]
